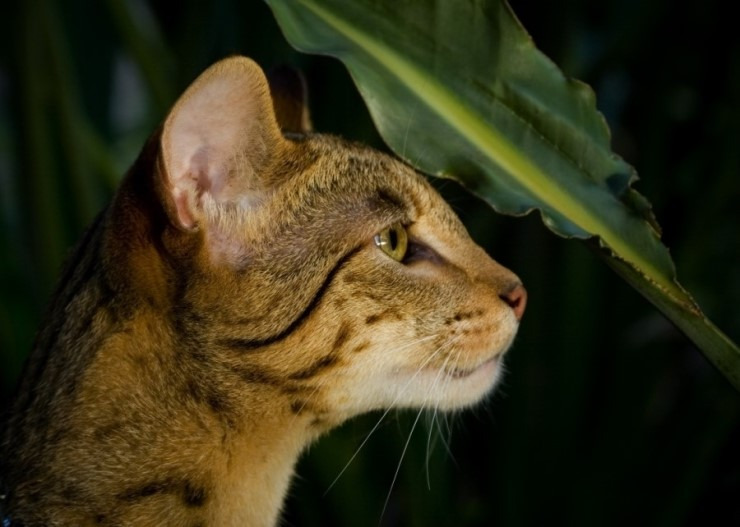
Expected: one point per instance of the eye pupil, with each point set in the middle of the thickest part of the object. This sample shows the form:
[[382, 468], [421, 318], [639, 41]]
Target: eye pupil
[[393, 241], [393, 238]]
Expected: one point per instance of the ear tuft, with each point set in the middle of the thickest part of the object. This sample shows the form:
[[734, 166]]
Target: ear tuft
[[219, 139]]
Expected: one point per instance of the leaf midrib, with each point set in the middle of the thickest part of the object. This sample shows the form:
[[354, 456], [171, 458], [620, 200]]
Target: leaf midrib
[[491, 143]]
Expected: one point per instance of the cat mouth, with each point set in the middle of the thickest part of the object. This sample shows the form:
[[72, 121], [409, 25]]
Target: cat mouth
[[462, 373]]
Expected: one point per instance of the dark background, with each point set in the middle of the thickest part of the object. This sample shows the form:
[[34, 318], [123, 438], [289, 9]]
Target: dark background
[[608, 415]]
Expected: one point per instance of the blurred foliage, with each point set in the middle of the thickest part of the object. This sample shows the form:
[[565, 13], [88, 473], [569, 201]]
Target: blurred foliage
[[608, 415]]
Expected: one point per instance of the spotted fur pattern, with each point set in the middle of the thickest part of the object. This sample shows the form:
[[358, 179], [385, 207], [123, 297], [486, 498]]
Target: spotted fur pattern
[[208, 328]]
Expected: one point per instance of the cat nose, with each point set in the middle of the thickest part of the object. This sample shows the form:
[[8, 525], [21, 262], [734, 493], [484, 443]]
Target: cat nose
[[516, 298]]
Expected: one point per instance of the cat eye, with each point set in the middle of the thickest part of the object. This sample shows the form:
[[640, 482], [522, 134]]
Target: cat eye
[[393, 241]]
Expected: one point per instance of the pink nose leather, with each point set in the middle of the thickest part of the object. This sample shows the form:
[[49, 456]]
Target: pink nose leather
[[516, 298]]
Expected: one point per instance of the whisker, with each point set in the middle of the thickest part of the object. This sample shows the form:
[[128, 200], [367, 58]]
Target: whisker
[[428, 456], [445, 419], [411, 433], [434, 416], [400, 461], [325, 381], [390, 407]]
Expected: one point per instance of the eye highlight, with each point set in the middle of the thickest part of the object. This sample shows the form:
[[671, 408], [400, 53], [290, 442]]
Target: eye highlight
[[393, 241]]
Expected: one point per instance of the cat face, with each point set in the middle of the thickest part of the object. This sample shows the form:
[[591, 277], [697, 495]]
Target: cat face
[[432, 327], [424, 326], [323, 269]]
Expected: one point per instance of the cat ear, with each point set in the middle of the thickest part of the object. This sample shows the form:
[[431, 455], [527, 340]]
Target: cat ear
[[290, 99], [219, 139]]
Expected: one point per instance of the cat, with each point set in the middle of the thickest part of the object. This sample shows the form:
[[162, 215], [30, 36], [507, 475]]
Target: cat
[[251, 286]]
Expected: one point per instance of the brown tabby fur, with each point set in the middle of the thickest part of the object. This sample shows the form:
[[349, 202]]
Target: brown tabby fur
[[230, 306]]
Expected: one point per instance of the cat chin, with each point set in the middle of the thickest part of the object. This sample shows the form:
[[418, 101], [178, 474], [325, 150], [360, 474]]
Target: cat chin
[[449, 390], [468, 387]]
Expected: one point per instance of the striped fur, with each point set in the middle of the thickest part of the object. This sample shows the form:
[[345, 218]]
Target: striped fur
[[206, 330]]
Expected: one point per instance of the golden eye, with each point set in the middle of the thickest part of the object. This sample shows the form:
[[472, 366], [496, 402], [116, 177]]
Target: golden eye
[[393, 241]]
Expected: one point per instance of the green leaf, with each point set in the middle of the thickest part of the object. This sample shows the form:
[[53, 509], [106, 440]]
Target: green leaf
[[459, 90]]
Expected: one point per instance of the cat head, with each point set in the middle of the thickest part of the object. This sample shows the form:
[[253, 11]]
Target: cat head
[[319, 270]]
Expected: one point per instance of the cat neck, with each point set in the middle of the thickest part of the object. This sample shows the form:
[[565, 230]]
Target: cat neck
[[235, 448], [257, 470]]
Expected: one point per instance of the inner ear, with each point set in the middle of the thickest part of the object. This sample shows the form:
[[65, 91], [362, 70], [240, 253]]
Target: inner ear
[[219, 140], [290, 99]]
